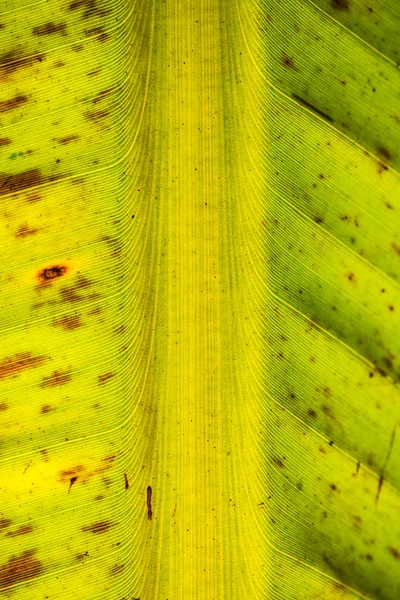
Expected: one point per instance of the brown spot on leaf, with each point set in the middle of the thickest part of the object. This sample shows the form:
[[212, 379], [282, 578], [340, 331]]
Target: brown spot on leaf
[[20, 568], [3, 406], [66, 476], [101, 96], [12, 365], [22, 181], [50, 28], [25, 231], [5, 141], [96, 115], [343, 5], [68, 322], [100, 527], [4, 523], [384, 152], [126, 481], [116, 569], [312, 413], [395, 553], [351, 277], [23, 530], [288, 61], [90, 8], [55, 379], [13, 103], [95, 72], [102, 379], [48, 274], [67, 140], [70, 295], [278, 462], [46, 408], [13, 61], [396, 248]]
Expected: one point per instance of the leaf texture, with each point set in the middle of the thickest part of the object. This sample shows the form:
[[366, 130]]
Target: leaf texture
[[200, 269]]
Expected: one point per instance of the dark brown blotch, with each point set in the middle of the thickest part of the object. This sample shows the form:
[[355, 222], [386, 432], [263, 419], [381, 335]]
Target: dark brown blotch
[[3, 406], [288, 62], [278, 462], [101, 527], [394, 552], [48, 274], [13, 103], [20, 568], [50, 28], [55, 379], [102, 379], [117, 569], [343, 5], [23, 530], [13, 61], [384, 152], [16, 182], [5, 142], [67, 475], [46, 408], [101, 95], [69, 322], [12, 365]]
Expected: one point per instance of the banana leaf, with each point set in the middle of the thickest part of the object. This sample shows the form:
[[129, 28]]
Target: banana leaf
[[200, 301]]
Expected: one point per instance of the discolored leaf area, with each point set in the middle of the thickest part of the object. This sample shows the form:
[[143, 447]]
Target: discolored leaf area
[[200, 302]]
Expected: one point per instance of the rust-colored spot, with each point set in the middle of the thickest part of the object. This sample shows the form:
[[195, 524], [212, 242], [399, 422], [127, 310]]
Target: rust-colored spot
[[66, 476], [25, 231], [22, 181], [278, 462], [5, 141], [391, 307], [104, 378], [20, 568], [351, 277], [70, 295], [98, 497], [3, 406], [68, 322], [11, 365], [46, 408], [341, 5], [48, 274], [67, 140], [56, 378], [104, 37], [95, 311], [50, 28], [100, 527], [288, 61], [82, 555], [4, 523], [82, 282], [396, 248], [33, 198], [13, 61], [23, 530], [395, 553], [116, 569], [13, 103]]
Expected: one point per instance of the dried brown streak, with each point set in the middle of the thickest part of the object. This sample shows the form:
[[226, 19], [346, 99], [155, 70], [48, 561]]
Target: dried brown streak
[[91, 8], [4, 523], [71, 483], [313, 108], [25, 231], [12, 61], [288, 61], [102, 95], [149, 511], [12, 365], [67, 140], [68, 474], [100, 527], [20, 568], [13, 103], [50, 28], [95, 116], [126, 481], [57, 378], [5, 141], [23, 530], [48, 274], [102, 379]]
